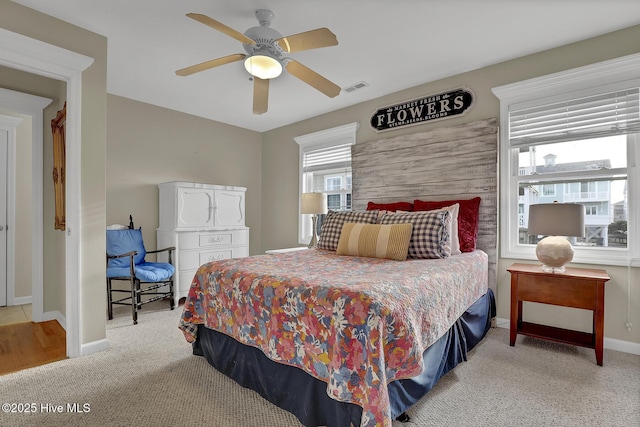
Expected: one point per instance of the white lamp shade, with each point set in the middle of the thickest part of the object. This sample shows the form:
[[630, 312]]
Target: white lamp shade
[[263, 67], [556, 219], [313, 203]]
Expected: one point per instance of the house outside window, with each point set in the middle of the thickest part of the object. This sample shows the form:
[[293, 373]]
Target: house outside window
[[325, 166], [571, 138]]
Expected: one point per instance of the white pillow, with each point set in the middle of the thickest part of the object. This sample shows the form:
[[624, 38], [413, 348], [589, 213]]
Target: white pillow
[[455, 241]]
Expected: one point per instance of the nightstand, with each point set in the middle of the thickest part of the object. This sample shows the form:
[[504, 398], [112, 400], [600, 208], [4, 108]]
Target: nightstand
[[576, 287]]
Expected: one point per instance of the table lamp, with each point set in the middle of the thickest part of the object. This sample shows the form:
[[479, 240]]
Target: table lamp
[[555, 220], [314, 204]]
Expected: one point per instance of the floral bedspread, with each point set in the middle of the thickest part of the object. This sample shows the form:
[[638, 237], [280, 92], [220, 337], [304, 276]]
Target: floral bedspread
[[354, 323]]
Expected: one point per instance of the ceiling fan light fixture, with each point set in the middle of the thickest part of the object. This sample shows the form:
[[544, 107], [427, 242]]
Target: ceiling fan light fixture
[[263, 66]]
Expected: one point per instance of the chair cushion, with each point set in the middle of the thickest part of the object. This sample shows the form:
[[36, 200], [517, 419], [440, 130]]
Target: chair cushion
[[154, 271], [145, 272], [122, 241]]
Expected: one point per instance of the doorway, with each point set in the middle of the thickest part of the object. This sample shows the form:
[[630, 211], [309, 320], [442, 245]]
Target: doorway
[[36, 57], [24, 237]]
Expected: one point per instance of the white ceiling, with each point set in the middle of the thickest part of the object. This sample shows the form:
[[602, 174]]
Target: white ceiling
[[391, 45]]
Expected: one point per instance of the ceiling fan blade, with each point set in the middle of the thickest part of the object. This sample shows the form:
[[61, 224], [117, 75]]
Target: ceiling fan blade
[[314, 39], [260, 95], [312, 78], [210, 64], [221, 27]]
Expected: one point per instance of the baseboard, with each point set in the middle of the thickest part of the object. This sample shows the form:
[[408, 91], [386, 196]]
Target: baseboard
[[609, 343], [22, 300], [88, 348], [623, 346], [94, 347], [55, 315]]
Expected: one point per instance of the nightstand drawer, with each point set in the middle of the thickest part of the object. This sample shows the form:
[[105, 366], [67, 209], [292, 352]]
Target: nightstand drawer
[[568, 292]]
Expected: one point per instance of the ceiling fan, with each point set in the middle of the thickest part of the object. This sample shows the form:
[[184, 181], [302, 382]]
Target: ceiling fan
[[265, 58]]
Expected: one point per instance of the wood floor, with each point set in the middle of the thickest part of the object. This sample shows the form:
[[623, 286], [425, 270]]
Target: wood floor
[[25, 344]]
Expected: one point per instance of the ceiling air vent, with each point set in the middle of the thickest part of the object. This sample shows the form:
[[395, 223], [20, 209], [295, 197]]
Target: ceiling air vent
[[355, 86]]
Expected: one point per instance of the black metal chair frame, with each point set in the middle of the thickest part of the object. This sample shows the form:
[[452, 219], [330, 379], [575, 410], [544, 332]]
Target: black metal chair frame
[[139, 288]]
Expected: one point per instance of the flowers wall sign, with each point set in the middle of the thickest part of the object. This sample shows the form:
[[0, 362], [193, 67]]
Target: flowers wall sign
[[432, 107]]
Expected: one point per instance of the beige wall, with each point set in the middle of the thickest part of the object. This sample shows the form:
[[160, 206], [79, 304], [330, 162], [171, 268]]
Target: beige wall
[[148, 145], [38, 26], [23, 207], [280, 165]]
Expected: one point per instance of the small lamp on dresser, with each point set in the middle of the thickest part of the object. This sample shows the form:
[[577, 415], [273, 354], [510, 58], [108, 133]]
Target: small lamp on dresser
[[555, 220], [314, 204]]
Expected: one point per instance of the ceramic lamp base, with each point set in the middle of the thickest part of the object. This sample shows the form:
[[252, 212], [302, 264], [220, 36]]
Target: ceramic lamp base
[[314, 238], [554, 252]]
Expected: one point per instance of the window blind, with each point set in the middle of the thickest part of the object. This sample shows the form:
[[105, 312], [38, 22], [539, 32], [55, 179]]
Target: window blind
[[595, 116], [338, 156]]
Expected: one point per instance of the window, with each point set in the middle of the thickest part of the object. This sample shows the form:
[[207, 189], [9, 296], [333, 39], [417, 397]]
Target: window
[[325, 166], [549, 189], [333, 183], [572, 137]]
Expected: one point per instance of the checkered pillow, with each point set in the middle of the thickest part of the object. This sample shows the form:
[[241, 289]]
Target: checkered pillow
[[333, 222], [430, 238]]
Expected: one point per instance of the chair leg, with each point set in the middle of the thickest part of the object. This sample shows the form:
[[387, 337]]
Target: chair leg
[[134, 299], [172, 302], [109, 300]]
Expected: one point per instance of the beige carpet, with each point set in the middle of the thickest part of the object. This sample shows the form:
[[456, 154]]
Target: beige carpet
[[148, 377]]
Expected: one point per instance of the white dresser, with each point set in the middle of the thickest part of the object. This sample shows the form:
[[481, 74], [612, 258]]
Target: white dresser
[[205, 223]]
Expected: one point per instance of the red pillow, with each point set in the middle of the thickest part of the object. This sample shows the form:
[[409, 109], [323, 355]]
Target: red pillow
[[467, 218], [395, 206]]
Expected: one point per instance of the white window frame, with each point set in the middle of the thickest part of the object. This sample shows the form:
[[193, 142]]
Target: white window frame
[[339, 135], [608, 75]]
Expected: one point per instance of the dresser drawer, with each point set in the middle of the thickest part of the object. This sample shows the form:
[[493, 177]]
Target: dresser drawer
[[194, 259], [209, 239]]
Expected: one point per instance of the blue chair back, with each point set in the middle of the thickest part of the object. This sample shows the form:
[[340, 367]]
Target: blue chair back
[[123, 241]]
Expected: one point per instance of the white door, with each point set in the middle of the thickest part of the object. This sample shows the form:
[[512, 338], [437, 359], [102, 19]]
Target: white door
[[4, 146]]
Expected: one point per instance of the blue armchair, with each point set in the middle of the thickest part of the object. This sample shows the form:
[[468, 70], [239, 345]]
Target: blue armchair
[[149, 281]]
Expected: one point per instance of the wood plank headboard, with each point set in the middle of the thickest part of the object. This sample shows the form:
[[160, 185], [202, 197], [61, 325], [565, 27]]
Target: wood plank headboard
[[458, 162]]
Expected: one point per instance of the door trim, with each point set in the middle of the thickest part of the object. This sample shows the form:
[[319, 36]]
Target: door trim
[[36, 57]]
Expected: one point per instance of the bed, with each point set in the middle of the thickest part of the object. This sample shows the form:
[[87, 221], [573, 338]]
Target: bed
[[343, 335], [341, 339]]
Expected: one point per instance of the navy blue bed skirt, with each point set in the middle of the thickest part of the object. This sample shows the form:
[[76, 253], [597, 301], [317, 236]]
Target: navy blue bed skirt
[[294, 390]]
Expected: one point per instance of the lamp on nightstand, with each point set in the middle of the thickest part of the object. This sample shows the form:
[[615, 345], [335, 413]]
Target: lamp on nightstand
[[555, 220], [314, 204]]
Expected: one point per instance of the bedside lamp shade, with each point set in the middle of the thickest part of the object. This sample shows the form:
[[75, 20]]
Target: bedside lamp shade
[[555, 220], [314, 204]]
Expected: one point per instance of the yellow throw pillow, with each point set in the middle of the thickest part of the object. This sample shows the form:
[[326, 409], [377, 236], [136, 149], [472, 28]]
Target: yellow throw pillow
[[389, 241]]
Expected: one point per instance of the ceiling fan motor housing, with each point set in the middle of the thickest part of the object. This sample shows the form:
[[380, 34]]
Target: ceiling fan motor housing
[[265, 38]]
